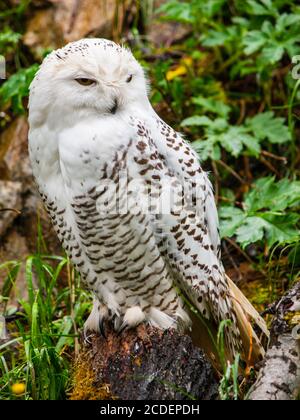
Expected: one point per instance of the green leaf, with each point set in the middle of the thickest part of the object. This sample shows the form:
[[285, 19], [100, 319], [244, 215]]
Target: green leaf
[[197, 121], [276, 229], [267, 126], [215, 38], [273, 52], [213, 105], [17, 87], [267, 214], [251, 231], [64, 330], [191, 11], [281, 229], [210, 7], [208, 148], [286, 20], [254, 41], [262, 7], [252, 144], [8, 40], [231, 218], [232, 142], [177, 11], [235, 140], [267, 194]]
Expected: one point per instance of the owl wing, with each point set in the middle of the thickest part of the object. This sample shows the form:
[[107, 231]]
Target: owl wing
[[187, 232], [187, 228]]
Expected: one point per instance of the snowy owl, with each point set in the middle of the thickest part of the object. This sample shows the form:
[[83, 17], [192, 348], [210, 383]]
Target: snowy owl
[[129, 200]]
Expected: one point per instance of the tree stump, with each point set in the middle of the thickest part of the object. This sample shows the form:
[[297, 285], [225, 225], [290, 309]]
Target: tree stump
[[143, 364], [279, 378]]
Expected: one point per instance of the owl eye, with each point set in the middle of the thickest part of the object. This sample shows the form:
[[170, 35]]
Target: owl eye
[[129, 78], [85, 82]]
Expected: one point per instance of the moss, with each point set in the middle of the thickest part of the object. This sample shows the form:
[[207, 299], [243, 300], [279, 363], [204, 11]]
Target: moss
[[258, 292], [292, 318], [85, 384]]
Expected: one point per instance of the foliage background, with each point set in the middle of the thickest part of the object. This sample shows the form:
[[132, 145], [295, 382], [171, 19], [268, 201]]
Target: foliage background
[[226, 73]]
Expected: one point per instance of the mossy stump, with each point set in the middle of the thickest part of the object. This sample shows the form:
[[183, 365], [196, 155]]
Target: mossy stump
[[143, 364]]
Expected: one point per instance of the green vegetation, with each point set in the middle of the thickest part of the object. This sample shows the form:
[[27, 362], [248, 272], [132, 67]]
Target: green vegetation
[[234, 96], [229, 86], [45, 329]]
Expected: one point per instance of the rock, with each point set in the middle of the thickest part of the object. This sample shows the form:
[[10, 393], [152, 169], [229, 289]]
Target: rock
[[17, 168], [14, 248], [279, 378], [165, 34], [10, 203], [143, 364], [14, 152], [71, 20]]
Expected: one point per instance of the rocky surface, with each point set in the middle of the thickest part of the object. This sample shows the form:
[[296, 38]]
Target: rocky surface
[[71, 20], [10, 203], [21, 205], [279, 379]]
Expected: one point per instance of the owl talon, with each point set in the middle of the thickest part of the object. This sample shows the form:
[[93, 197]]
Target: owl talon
[[102, 328], [123, 327], [86, 338]]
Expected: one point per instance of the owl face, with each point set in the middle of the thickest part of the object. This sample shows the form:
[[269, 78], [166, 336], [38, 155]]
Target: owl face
[[91, 76]]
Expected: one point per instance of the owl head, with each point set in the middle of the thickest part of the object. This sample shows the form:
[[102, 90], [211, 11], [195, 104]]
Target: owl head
[[86, 77]]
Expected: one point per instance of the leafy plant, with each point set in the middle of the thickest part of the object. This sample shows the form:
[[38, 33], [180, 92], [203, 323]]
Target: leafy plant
[[273, 40], [219, 133], [192, 12], [254, 42], [269, 214], [16, 88], [8, 41]]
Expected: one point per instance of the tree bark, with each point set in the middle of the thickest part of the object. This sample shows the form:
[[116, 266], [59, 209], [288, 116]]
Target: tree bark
[[279, 378], [143, 364]]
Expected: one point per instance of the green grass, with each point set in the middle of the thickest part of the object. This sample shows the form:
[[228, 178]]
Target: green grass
[[43, 337]]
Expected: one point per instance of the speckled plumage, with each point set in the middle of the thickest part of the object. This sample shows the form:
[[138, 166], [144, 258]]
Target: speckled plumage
[[106, 167]]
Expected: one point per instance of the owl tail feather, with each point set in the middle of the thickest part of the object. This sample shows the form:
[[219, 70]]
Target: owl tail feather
[[246, 314], [252, 351]]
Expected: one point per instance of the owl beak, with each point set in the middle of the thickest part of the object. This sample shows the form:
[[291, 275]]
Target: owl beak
[[114, 109]]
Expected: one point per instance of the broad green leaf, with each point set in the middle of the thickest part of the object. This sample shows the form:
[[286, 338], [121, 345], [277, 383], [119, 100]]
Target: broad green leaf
[[208, 149], [254, 41], [262, 7], [213, 105], [197, 121], [281, 229], [17, 87], [286, 20], [276, 196], [232, 142], [267, 214], [251, 231], [267, 126], [210, 7], [178, 11], [252, 144], [8, 40], [231, 219], [273, 52], [222, 36]]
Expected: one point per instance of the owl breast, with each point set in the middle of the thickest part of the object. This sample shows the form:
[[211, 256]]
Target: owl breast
[[104, 220]]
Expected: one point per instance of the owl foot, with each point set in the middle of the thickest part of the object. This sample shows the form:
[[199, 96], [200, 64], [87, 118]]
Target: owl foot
[[95, 321]]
